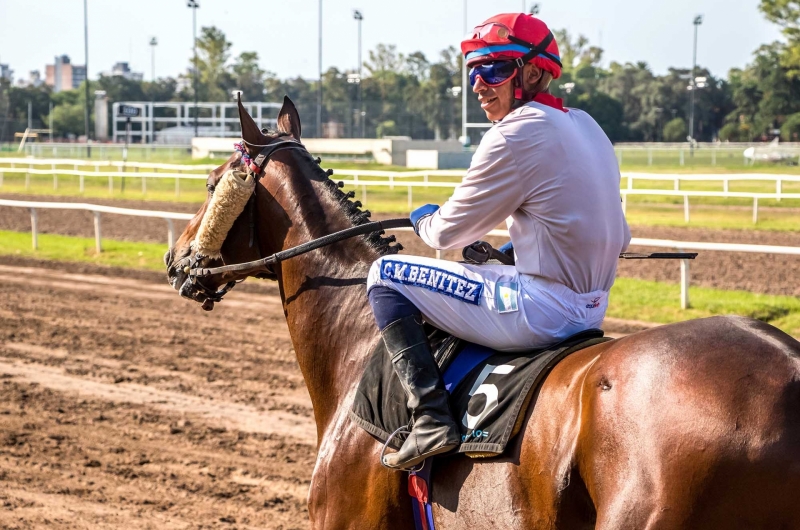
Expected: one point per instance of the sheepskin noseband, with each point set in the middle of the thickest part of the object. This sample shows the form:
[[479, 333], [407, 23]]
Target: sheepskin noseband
[[230, 197]]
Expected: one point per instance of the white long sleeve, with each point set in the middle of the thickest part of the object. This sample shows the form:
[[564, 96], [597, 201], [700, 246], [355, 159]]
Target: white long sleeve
[[489, 193], [553, 176]]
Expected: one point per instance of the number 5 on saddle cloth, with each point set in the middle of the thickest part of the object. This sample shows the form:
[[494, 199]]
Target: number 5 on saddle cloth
[[489, 395], [489, 390]]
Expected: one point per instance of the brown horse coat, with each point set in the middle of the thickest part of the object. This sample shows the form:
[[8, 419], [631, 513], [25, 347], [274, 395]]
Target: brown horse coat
[[691, 425]]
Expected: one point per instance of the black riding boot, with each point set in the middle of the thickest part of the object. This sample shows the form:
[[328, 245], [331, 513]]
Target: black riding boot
[[434, 431]]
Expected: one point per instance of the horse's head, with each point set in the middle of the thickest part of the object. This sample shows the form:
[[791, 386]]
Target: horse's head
[[231, 203]]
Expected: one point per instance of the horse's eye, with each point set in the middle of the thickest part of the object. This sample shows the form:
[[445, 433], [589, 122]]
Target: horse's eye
[[210, 188]]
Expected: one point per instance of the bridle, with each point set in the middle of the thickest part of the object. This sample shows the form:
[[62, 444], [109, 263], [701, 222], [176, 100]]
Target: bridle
[[264, 266], [256, 166]]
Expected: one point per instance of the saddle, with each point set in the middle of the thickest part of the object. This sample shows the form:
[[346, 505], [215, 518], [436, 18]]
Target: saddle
[[490, 391]]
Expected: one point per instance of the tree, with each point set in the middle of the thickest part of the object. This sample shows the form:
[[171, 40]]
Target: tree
[[161, 90], [606, 111], [441, 106], [249, 77], [214, 80], [790, 130], [303, 93], [764, 93], [734, 132], [675, 130], [15, 107], [786, 14], [68, 120], [119, 88]]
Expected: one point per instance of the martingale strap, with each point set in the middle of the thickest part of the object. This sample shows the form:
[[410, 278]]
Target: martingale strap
[[419, 481], [419, 489]]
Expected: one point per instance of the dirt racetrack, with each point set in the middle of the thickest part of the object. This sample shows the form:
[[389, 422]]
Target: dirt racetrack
[[124, 406], [761, 273]]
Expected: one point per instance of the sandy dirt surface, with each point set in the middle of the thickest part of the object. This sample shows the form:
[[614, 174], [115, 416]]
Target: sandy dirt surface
[[123, 406], [771, 274]]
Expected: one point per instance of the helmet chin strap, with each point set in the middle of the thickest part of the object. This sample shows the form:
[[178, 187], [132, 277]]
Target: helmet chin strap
[[521, 96], [535, 50]]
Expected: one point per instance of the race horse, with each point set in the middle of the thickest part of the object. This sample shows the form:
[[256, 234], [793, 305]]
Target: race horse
[[688, 425]]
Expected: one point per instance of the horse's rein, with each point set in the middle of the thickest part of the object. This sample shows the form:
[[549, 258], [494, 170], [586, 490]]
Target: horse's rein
[[314, 244], [257, 165]]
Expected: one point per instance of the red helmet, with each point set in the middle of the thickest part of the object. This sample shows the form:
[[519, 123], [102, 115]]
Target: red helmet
[[517, 36]]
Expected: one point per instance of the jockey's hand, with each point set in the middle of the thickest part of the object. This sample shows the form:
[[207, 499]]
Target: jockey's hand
[[477, 253], [421, 213]]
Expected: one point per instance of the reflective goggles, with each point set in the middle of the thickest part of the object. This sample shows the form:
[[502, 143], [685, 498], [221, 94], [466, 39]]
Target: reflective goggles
[[493, 74]]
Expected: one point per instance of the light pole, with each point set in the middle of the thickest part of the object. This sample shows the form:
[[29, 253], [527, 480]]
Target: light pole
[[693, 84], [153, 44], [360, 17], [86, 81], [194, 5], [319, 88]]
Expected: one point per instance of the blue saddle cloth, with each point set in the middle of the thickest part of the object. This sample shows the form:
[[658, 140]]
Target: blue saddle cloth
[[489, 391]]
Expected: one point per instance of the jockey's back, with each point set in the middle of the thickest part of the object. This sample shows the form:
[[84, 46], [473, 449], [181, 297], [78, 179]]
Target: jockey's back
[[552, 174]]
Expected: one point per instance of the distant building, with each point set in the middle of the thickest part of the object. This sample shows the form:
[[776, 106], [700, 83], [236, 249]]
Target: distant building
[[35, 78], [123, 70], [6, 73], [183, 83], [63, 75]]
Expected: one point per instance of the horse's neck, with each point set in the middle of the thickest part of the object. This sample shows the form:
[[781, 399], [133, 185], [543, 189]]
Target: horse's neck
[[333, 331], [325, 303]]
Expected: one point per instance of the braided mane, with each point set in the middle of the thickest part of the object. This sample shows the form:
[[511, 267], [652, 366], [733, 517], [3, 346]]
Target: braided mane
[[357, 216]]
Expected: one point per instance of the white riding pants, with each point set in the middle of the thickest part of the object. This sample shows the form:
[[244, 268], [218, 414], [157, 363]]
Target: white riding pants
[[491, 305]]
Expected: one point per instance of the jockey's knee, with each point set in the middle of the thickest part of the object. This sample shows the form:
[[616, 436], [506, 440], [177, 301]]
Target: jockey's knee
[[388, 305], [374, 276]]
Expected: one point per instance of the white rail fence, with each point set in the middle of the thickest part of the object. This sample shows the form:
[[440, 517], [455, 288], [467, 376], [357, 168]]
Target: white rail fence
[[754, 196], [178, 171], [189, 172], [96, 209], [391, 184]]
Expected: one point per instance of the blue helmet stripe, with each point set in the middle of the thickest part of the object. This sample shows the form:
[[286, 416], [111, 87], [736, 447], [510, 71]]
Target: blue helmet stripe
[[480, 52]]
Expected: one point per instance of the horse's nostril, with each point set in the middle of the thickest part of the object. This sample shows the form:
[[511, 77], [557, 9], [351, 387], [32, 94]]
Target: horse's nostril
[[168, 258]]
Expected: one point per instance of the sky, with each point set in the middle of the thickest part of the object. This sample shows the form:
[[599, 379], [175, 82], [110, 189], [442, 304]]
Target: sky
[[285, 33]]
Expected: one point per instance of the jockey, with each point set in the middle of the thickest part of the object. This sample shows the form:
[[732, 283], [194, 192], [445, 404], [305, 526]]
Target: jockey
[[551, 174]]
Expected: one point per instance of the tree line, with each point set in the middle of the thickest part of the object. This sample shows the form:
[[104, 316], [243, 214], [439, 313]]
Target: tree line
[[412, 95]]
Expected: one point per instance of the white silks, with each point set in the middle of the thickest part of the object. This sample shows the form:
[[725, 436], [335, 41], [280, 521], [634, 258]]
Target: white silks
[[230, 197]]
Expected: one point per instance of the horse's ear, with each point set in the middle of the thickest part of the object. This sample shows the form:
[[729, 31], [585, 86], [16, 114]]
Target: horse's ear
[[250, 131], [289, 119]]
